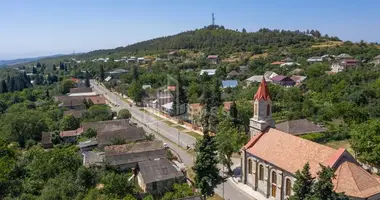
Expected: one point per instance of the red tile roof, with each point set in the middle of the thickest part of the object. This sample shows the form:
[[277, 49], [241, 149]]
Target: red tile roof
[[277, 63], [71, 133], [354, 181], [273, 144], [262, 92], [212, 56], [97, 99]]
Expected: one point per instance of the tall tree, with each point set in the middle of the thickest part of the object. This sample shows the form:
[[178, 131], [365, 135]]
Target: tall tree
[[324, 187], [12, 85], [135, 91], [47, 93], [234, 114], [206, 171], [101, 75], [4, 87], [180, 99], [217, 94], [303, 186], [69, 122], [206, 108], [135, 72], [87, 80], [229, 140]]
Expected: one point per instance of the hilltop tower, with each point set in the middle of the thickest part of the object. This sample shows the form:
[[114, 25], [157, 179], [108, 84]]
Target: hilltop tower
[[262, 110], [213, 20]]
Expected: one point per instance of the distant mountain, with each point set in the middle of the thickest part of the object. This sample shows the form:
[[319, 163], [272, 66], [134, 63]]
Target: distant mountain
[[25, 60]]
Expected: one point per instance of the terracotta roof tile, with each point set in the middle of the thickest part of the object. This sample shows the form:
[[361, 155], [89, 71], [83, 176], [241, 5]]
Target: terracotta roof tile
[[262, 91], [354, 181], [71, 133], [274, 144], [277, 63]]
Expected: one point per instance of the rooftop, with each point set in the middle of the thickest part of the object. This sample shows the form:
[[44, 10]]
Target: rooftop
[[209, 72], [133, 148], [80, 90], [158, 169], [212, 56], [262, 91], [229, 83], [74, 113], [88, 143], [299, 127], [71, 133], [46, 138], [77, 94]]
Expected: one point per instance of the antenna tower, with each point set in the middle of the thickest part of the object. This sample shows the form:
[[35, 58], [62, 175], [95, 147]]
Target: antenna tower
[[213, 20]]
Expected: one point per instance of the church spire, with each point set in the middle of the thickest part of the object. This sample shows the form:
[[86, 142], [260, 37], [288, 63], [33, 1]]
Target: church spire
[[262, 92]]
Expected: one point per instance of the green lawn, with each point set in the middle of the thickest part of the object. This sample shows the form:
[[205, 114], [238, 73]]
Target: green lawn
[[180, 128], [194, 134], [169, 123]]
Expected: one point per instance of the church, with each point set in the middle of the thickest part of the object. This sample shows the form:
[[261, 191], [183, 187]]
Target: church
[[271, 158]]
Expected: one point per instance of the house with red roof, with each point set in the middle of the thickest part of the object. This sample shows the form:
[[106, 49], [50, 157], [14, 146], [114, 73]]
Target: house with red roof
[[283, 81], [343, 65], [214, 59], [272, 157]]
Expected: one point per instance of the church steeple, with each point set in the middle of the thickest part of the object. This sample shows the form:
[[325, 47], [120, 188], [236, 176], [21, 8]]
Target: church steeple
[[262, 110], [262, 92]]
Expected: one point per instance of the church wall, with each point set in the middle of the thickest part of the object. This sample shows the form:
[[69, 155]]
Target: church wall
[[265, 186]]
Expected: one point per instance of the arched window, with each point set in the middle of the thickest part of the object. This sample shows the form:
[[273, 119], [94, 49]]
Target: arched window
[[268, 109], [249, 166], [288, 187], [261, 173], [274, 182]]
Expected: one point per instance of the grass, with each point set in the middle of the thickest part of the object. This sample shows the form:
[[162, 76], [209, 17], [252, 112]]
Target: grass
[[194, 134], [215, 197], [169, 123], [180, 128], [327, 44], [340, 144]]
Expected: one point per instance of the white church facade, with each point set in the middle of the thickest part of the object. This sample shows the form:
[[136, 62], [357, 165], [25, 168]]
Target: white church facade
[[271, 158]]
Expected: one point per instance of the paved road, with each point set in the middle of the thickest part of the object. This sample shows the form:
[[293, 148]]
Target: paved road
[[172, 136]]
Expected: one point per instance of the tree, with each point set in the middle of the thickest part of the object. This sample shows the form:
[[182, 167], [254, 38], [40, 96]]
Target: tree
[[234, 114], [116, 184], [97, 113], [180, 99], [124, 114], [90, 133], [324, 187], [179, 191], [61, 187], [65, 85], [243, 30], [47, 93], [229, 141], [206, 171], [8, 159], [101, 74], [217, 94], [365, 141], [3, 87], [135, 91], [303, 186], [87, 80], [135, 72], [69, 122]]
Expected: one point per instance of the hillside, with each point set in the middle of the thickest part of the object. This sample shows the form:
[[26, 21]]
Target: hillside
[[218, 40]]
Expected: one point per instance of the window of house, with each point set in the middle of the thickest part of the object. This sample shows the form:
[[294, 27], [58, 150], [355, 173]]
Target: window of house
[[274, 182], [261, 173], [268, 110], [249, 166], [154, 185], [288, 188]]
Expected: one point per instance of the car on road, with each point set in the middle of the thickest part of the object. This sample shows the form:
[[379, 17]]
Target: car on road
[[166, 146]]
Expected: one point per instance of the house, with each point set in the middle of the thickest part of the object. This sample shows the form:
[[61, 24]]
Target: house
[[117, 72], [144, 87], [298, 79], [141, 60], [131, 60], [235, 73], [243, 68], [214, 59], [254, 79], [76, 102], [75, 113], [172, 54], [283, 81], [287, 60], [229, 84], [343, 56], [72, 135], [157, 176], [268, 75], [163, 96], [112, 130], [108, 78], [315, 59], [343, 65], [88, 145], [277, 63], [46, 142], [93, 159], [299, 127], [297, 71], [128, 156], [80, 90], [376, 60], [82, 94], [209, 72], [289, 64], [272, 157]]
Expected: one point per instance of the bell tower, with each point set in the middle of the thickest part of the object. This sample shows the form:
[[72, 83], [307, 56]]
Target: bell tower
[[262, 110]]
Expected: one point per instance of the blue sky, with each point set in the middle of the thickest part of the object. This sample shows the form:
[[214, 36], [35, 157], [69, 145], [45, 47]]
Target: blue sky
[[31, 28]]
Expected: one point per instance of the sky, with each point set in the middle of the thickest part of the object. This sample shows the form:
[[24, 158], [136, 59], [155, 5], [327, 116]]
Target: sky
[[30, 28]]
